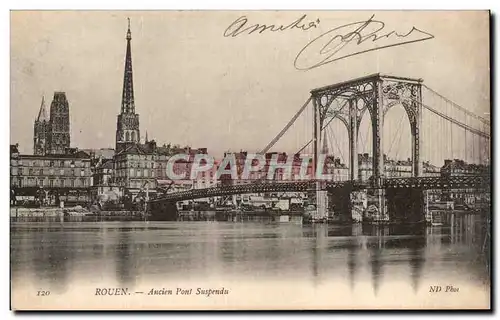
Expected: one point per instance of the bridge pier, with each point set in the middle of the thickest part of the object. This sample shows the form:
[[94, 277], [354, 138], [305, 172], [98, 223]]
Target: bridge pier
[[359, 204], [321, 205], [340, 200], [369, 205], [407, 205], [162, 211], [427, 213], [377, 206], [393, 205]]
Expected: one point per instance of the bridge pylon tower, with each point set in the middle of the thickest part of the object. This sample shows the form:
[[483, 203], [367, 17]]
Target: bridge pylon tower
[[374, 95]]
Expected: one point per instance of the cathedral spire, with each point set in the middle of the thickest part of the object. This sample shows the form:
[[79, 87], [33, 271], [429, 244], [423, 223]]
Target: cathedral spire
[[42, 114], [127, 122], [129, 34], [128, 105]]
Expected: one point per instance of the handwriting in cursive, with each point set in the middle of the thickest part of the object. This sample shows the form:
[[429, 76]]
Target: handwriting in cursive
[[352, 39], [239, 26]]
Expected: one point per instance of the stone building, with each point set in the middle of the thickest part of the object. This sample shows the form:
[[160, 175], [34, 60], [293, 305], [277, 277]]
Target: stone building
[[104, 187], [332, 166], [183, 167], [468, 196], [393, 168], [51, 178], [134, 170], [103, 173]]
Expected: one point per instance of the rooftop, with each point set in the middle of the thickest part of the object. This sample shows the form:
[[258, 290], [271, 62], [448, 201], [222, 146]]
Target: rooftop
[[77, 155]]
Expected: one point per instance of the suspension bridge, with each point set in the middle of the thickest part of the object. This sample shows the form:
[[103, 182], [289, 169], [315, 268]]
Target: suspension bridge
[[356, 117]]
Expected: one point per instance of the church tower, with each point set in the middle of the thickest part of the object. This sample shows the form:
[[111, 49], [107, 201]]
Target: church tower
[[41, 131], [127, 124], [58, 137]]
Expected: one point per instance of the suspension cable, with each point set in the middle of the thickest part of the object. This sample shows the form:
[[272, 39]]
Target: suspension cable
[[330, 120], [396, 135], [485, 121], [285, 129], [399, 145], [337, 144], [458, 123]]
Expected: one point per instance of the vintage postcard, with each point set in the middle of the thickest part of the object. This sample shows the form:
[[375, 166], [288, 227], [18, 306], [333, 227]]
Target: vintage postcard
[[259, 160]]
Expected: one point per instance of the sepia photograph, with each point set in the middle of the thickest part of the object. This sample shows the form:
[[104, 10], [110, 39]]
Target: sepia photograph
[[250, 160]]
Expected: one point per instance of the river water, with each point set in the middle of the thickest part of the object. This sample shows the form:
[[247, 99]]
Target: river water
[[261, 264]]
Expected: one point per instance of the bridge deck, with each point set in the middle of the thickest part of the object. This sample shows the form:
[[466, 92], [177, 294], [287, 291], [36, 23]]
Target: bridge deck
[[452, 182]]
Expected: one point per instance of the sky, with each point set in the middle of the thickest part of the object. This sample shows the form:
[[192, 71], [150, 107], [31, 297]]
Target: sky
[[194, 86]]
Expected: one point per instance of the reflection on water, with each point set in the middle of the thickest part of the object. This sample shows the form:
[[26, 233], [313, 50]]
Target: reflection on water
[[53, 254]]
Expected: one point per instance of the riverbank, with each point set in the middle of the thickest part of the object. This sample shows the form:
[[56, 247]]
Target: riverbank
[[78, 211], [48, 212]]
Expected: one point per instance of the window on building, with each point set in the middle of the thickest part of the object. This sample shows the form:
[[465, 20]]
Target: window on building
[[51, 183], [62, 183], [72, 183]]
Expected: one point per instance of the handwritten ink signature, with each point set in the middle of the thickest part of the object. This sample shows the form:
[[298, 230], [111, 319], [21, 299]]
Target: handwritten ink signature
[[239, 26], [329, 46]]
